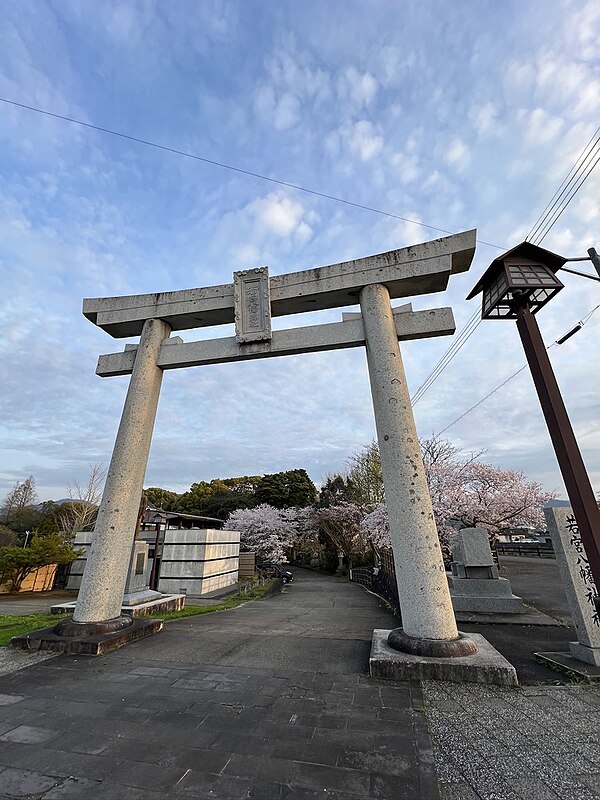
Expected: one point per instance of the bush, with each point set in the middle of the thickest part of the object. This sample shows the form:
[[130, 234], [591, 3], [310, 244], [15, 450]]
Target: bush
[[17, 562]]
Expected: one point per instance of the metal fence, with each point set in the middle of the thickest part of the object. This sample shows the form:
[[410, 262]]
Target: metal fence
[[381, 579], [525, 549]]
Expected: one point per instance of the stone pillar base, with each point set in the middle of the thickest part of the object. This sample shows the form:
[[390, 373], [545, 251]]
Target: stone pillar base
[[436, 648], [88, 638], [485, 666]]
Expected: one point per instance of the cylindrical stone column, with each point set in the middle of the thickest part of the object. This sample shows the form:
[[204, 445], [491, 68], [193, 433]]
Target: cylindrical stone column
[[105, 574], [422, 585]]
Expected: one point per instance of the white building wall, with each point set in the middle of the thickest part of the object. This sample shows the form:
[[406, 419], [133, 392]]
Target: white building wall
[[198, 561]]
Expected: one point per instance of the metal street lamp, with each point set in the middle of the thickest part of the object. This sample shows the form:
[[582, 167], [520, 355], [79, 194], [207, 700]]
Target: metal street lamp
[[515, 286]]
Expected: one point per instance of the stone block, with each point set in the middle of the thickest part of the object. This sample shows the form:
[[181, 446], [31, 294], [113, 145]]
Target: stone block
[[486, 666], [252, 304], [471, 547], [577, 580], [48, 639]]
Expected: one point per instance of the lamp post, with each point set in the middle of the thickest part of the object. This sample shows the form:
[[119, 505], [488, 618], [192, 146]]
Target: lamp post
[[515, 286]]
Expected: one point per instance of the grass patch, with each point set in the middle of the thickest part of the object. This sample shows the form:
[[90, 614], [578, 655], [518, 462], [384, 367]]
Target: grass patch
[[16, 624]]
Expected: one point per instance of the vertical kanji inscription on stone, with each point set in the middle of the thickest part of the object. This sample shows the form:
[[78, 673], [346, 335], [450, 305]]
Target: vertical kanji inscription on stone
[[252, 305]]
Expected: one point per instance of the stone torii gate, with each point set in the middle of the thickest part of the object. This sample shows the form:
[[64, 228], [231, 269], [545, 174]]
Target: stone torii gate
[[251, 301]]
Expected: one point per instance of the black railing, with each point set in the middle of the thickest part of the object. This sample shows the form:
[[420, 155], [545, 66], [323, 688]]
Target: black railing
[[541, 550], [381, 580]]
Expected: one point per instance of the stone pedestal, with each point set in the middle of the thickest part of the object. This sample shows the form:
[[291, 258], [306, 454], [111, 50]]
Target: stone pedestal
[[136, 588], [475, 585], [578, 584]]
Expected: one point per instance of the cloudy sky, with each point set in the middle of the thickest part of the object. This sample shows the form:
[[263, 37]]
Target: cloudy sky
[[456, 115]]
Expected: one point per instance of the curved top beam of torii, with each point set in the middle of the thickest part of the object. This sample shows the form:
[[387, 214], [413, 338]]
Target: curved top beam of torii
[[408, 271]]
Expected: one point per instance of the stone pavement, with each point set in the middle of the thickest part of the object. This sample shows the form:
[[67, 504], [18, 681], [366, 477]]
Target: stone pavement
[[272, 700]]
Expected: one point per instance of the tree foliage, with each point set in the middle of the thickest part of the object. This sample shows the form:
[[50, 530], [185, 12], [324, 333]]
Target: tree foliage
[[268, 530], [16, 563], [341, 524], [366, 475], [290, 489], [18, 510], [466, 493]]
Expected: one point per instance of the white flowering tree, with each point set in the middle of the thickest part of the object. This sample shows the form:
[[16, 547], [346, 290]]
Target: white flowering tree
[[268, 530], [468, 494]]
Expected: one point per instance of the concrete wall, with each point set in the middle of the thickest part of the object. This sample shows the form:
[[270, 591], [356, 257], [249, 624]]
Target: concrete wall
[[198, 561], [82, 541]]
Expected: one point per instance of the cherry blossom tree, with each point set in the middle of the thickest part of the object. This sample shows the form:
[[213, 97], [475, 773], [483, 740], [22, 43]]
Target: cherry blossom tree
[[466, 493], [268, 530]]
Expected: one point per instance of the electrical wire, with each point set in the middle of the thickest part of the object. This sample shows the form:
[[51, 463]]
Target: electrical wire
[[574, 180], [555, 207], [582, 322], [467, 331], [232, 168]]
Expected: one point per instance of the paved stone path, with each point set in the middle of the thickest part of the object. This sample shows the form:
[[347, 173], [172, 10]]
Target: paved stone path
[[270, 700]]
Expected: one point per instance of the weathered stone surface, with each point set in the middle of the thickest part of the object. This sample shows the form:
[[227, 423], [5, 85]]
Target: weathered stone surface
[[474, 584], [578, 582], [308, 339], [155, 605], [485, 666], [103, 583], [422, 587], [252, 305], [471, 547], [409, 271], [96, 645]]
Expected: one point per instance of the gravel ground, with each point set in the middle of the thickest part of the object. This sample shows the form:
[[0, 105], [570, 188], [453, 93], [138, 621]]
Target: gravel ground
[[530, 743]]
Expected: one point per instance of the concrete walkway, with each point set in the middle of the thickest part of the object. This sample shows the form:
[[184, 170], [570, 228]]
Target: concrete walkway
[[270, 700]]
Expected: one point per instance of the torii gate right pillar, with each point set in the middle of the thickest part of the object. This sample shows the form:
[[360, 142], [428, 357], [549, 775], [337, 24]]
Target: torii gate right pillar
[[429, 626]]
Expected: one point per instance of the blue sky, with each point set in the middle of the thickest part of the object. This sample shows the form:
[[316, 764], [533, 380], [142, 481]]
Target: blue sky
[[458, 115]]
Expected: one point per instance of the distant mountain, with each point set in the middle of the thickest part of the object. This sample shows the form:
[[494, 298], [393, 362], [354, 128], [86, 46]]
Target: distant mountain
[[40, 506]]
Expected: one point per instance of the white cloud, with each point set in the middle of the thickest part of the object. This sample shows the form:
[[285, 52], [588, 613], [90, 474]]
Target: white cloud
[[358, 88], [279, 214], [457, 154], [484, 117], [283, 110], [362, 139]]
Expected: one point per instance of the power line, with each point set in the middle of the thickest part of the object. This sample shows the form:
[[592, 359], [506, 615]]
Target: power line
[[581, 323], [540, 230], [230, 167], [452, 351], [554, 207]]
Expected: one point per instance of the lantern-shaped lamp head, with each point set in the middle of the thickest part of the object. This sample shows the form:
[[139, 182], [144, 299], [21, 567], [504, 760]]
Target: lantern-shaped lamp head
[[524, 275]]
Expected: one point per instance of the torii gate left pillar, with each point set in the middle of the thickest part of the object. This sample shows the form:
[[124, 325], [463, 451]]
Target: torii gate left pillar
[[429, 628]]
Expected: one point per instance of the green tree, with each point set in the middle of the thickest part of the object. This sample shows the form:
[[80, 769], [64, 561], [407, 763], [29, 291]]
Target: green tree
[[336, 489], [17, 562], [290, 489], [18, 511], [366, 475], [161, 498]]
